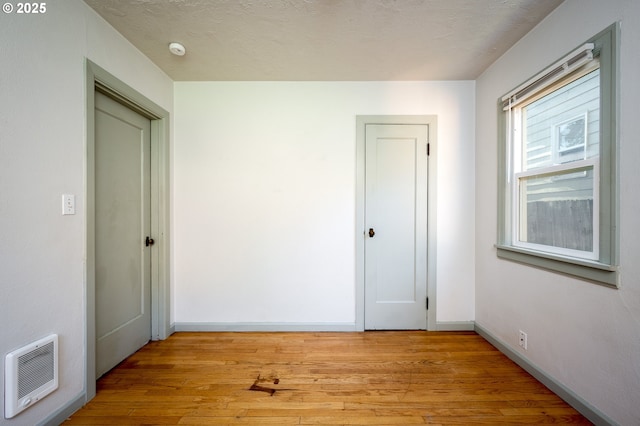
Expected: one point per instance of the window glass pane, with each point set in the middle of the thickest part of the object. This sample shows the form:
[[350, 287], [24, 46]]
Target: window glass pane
[[557, 209], [563, 126]]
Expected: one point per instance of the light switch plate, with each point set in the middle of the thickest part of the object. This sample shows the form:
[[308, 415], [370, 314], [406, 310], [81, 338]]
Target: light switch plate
[[68, 204]]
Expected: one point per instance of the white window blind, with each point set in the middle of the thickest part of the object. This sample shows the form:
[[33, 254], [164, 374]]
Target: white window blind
[[548, 76]]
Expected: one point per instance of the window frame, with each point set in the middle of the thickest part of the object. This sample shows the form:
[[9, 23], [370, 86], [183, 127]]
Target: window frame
[[557, 151], [603, 269]]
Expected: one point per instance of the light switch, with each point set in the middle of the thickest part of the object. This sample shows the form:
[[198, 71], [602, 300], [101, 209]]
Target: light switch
[[68, 204]]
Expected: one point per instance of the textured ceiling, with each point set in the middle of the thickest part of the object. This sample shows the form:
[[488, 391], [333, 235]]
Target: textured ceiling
[[324, 40]]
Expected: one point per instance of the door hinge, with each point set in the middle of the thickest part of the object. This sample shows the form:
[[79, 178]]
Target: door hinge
[[427, 304], [428, 149]]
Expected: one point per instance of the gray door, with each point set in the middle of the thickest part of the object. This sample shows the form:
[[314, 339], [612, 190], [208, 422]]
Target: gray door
[[122, 223], [396, 226]]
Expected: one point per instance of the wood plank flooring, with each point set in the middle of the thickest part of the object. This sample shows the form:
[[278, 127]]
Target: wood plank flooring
[[371, 378]]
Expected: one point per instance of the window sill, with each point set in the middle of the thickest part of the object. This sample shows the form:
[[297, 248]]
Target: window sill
[[599, 273]]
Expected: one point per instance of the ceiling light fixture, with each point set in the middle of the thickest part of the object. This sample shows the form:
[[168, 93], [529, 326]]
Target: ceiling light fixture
[[177, 49]]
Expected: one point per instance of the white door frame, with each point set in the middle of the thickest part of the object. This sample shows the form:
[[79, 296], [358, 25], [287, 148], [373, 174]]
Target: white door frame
[[361, 123], [99, 79]]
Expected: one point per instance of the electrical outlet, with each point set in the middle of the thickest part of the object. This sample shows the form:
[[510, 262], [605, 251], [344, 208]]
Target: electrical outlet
[[522, 340]]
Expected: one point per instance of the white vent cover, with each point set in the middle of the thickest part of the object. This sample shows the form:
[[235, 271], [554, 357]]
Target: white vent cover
[[31, 373]]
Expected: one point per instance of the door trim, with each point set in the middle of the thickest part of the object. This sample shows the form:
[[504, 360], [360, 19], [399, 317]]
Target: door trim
[[361, 122], [99, 79]]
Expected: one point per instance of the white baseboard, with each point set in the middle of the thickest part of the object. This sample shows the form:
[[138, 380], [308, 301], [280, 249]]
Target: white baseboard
[[263, 326], [291, 326], [65, 412], [455, 326], [583, 407]]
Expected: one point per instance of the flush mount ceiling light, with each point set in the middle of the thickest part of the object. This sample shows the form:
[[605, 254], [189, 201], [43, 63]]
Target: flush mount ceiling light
[[177, 49]]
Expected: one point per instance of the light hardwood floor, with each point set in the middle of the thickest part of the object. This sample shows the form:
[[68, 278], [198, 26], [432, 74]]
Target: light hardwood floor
[[371, 378]]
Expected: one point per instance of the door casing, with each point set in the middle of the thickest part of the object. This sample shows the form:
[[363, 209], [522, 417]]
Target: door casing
[[99, 79], [361, 123]]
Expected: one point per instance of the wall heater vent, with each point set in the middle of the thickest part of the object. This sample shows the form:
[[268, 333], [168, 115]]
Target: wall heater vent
[[31, 373]]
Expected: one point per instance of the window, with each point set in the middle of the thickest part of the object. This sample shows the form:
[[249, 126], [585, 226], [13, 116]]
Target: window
[[557, 177]]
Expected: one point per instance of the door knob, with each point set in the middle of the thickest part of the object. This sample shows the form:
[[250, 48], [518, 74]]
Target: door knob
[[149, 241], [371, 233]]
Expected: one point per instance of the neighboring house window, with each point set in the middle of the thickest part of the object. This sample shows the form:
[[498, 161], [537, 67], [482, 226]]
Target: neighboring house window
[[558, 182]]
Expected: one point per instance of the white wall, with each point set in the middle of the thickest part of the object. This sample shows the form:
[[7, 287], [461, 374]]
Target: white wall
[[42, 156], [584, 335], [264, 183]]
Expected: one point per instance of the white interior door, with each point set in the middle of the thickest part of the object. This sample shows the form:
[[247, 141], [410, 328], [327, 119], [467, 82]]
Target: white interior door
[[122, 223], [396, 226]]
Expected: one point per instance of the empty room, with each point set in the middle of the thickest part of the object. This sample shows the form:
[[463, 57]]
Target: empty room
[[329, 212]]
